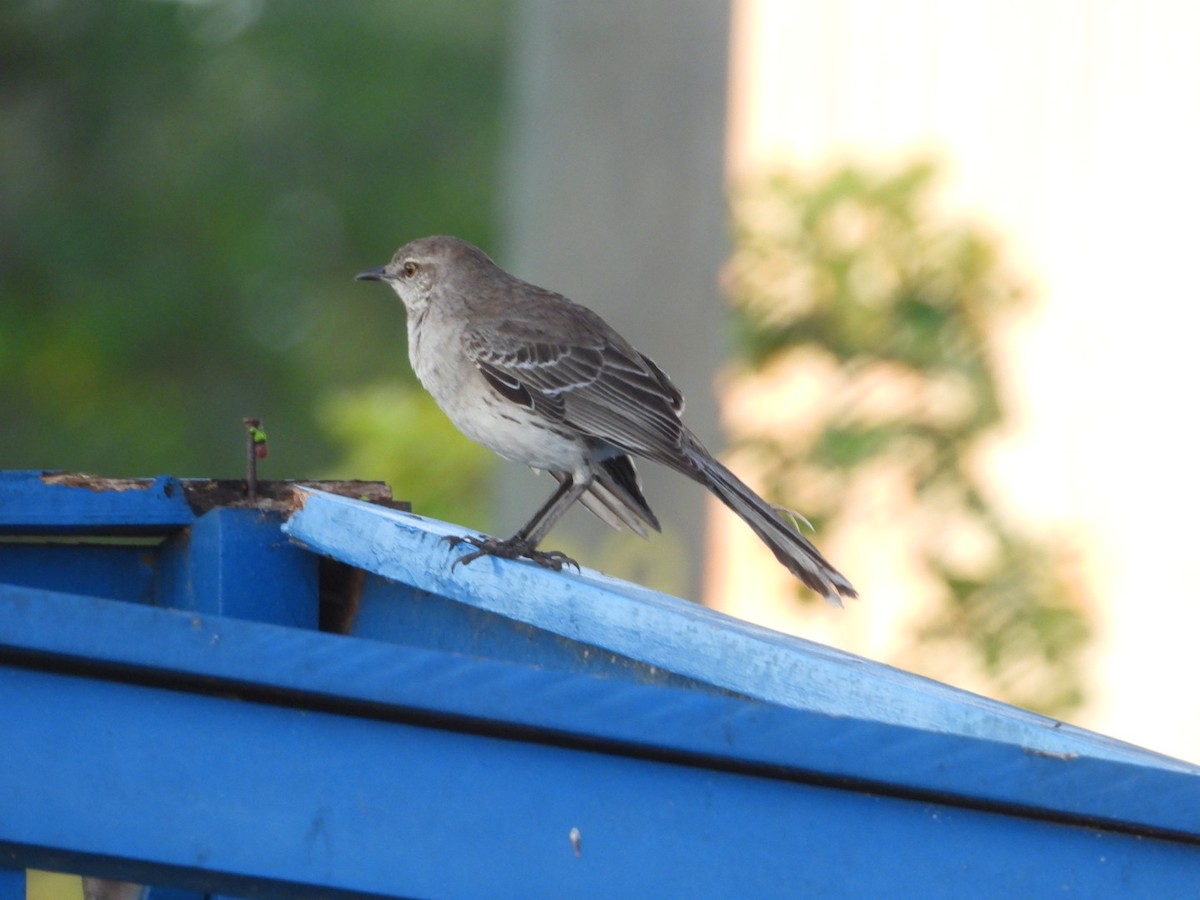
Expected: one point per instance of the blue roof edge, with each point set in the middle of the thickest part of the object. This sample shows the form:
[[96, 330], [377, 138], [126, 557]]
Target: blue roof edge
[[684, 638]]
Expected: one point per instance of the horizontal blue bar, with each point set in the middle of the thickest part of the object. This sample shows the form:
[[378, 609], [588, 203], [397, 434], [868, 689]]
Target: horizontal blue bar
[[355, 676], [251, 798]]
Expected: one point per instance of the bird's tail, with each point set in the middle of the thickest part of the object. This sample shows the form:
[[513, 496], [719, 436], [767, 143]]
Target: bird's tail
[[615, 496], [790, 547]]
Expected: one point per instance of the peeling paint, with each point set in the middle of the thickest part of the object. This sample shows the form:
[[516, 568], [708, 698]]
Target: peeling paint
[[95, 482]]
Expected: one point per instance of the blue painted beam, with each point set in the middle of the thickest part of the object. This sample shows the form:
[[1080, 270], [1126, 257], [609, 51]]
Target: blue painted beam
[[57, 503], [278, 761], [397, 613], [316, 671], [230, 561], [236, 562], [12, 884], [116, 571], [680, 637], [200, 789]]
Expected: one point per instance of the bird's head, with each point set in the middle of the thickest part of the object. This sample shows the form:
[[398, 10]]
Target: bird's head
[[420, 267]]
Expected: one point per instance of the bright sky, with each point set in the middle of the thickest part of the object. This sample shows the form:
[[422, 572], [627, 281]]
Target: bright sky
[[1072, 129]]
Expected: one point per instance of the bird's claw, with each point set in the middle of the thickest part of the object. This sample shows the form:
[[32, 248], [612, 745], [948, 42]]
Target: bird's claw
[[551, 559], [512, 548]]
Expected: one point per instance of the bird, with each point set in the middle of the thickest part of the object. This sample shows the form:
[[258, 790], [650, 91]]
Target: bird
[[544, 381]]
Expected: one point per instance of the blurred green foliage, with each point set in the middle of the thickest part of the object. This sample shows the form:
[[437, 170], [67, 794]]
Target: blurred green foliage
[[853, 276], [400, 435], [188, 190]]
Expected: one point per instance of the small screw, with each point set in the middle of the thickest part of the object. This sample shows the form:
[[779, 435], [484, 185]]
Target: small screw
[[256, 449]]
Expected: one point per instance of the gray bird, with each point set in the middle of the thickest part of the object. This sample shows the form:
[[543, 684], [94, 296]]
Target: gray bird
[[546, 382]]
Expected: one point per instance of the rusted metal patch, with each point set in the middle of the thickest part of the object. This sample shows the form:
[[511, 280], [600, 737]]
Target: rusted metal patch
[[95, 482], [280, 496]]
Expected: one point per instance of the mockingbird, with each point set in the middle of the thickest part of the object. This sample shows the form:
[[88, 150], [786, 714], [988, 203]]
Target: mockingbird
[[546, 382]]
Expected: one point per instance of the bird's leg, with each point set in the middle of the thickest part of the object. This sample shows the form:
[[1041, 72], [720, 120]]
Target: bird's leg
[[524, 542]]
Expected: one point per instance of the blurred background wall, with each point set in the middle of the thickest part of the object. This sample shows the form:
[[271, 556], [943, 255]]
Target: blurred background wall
[[1068, 129]]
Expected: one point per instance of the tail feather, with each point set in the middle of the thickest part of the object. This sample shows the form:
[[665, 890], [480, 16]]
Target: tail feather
[[790, 547], [615, 496]]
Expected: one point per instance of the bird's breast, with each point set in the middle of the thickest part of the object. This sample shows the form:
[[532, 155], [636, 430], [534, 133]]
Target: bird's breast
[[487, 417]]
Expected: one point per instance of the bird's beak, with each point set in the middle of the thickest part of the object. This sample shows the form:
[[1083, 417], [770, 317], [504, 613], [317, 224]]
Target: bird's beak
[[378, 274]]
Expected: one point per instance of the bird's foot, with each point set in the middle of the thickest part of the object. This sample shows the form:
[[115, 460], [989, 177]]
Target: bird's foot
[[510, 548]]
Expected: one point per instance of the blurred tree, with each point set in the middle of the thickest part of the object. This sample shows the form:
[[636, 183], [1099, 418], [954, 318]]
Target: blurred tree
[[887, 309], [188, 191]]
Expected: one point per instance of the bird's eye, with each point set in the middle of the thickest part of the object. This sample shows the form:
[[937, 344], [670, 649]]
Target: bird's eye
[[409, 269]]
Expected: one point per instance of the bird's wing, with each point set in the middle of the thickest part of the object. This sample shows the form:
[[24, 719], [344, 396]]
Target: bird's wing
[[579, 372]]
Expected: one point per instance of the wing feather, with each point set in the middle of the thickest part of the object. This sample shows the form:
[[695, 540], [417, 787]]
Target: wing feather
[[579, 372]]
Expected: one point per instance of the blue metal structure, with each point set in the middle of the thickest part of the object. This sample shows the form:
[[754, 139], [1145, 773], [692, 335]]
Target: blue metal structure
[[172, 715]]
